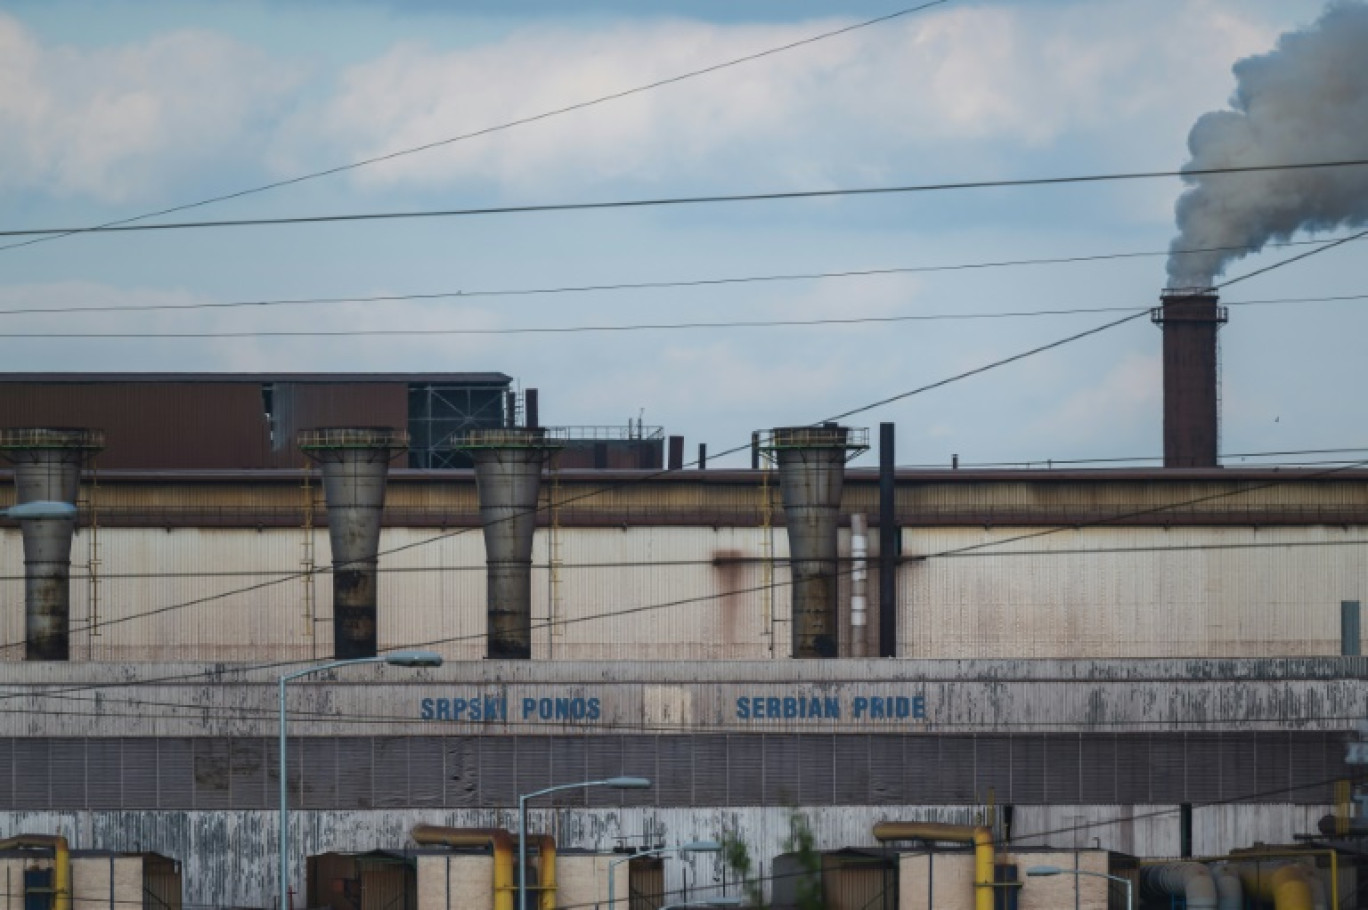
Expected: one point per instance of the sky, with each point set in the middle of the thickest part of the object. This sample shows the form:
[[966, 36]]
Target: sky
[[110, 110]]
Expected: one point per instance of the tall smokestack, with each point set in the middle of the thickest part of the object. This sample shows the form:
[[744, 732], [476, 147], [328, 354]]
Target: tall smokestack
[[508, 469], [1189, 320], [355, 463], [47, 467], [811, 463], [1304, 102]]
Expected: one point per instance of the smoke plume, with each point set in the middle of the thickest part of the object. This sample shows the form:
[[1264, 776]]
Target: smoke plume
[[1306, 101]]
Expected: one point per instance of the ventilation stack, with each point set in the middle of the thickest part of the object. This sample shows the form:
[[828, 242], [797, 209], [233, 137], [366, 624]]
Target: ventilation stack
[[508, 468], [47, 467], [1189, 319], [811, 463], [354, 462]]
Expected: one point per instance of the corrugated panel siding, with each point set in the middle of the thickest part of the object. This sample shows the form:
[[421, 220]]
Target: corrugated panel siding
[[734, 770], [1128, 592]]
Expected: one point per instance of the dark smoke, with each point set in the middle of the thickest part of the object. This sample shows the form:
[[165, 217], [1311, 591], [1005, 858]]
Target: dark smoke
[[1306, 101]]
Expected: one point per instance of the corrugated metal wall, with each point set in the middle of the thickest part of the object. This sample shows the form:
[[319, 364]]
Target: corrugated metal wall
[[701, 593], [1129, 592]]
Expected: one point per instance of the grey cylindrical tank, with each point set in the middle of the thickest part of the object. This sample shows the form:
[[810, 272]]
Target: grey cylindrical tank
[[508, 469], [811, 463], [355, 464], [47, 467]]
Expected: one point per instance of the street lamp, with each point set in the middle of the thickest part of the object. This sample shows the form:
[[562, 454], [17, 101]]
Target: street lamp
[[1056, 870], [40, 510], [620, 783], [707, 902], [698, 846], [395, 658]]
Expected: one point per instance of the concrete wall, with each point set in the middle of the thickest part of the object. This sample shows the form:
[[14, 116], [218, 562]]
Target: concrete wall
[[229, 858], [455, 882]]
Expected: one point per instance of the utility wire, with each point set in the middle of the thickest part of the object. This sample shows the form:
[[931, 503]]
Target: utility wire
[[522, 121], [681, 200], [448, 535], [644, 327], [699, 282]]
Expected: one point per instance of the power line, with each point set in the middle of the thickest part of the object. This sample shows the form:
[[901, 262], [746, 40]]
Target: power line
[[448, 535], [643, 327], [694, 283], [680, 200], [522, 121]]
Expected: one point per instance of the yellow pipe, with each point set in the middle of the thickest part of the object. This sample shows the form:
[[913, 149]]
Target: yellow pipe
[[496, 838], [980, 837], [546, 869], [1287, 887], [61, 863]]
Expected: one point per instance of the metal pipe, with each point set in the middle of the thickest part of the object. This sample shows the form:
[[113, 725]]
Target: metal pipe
[[355, 463], [61, 863], [980, 837], [1229, 892], [811, 463], [508, 469], [1288, 886], [47, 467], [888, 545], [498, 840], [1191, 881], [1189, 320], [859, 553]]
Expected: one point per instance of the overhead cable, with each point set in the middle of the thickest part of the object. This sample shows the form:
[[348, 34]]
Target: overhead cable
[[521, 121], [680, 200]]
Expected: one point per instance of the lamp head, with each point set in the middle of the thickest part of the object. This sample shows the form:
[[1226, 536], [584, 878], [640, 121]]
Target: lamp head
[[40, 510], [627, 783], [702, 846], [1044, 870], [413, 659]]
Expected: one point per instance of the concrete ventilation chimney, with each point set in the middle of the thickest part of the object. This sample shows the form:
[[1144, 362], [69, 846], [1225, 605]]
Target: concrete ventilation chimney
[[1189, 319], [811, 463], [47, 467], [355, 462], [508, 469]]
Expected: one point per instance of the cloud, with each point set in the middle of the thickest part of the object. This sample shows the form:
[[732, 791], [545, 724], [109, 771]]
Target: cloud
[[1125, 402], [133, 121], [896, 99]]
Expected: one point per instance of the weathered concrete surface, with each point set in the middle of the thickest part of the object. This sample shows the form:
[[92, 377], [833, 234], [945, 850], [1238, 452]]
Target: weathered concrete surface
[[229, 857]]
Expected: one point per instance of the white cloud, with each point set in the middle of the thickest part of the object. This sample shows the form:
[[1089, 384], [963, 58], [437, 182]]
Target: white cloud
[[126, 122], [860, 106]]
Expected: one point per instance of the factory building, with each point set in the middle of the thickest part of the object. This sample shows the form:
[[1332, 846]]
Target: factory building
[[1155, 663]]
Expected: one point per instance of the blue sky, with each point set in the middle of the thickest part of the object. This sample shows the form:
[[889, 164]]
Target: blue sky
[[112, 109]]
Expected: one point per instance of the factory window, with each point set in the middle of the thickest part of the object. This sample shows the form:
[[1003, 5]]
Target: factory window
[[436, 411]]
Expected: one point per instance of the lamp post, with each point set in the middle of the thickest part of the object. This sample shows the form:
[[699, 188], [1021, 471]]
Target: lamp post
[[698, 846], [394, 658], [1056, 870], [40, 510], [620, 783]]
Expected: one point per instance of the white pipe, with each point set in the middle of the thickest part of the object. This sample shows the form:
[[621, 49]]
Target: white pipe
[[859, 553]]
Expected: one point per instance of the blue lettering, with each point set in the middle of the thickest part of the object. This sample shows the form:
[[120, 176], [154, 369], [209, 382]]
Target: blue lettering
[[790, 707], [425, 709], [593, 709], [861, 705], [757, 707], [901, 706], [742, 708], [772, 708], [919, 707], [546, 709], [458, 707], [832, 708], [444, 709], [477, 709], [876, 706], [529, 707]]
